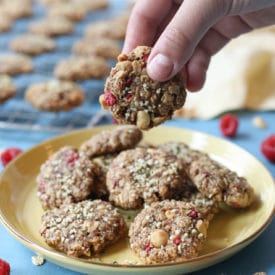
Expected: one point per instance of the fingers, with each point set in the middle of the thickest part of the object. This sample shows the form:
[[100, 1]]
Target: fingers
[[144, 22], [178, 41]]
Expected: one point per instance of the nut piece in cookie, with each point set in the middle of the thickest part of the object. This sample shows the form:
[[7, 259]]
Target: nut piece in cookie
[[100, 46], [134, 98], [66, 177], [13, 64], [81, 68], [82, 229], [52, 26], [112, 141], [218, 182], [7, 88], [32, 44], [143, 175], [168, 231], [55, 95]]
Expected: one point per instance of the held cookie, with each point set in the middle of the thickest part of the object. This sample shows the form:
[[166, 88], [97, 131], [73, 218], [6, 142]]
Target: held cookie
[[82, 229], [7, 88], [104, 47], [52, 26], [81, 68], [32, 44], [168, 231], [218, 182], [134, 98], [67, 176], [55, 96], [143, 175], [13, 64], [112, 141]]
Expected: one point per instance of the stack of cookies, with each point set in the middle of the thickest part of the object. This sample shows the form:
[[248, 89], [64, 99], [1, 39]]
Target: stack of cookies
[[175, 189]]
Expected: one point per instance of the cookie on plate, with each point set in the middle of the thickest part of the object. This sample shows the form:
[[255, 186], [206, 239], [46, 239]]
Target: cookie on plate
[[142, 175], [168, 231], [16, 9], [112, 141], [94, 5], [13, 64], [32, 44], [134, 98], [52, 26], [82, 68], [55, 95], [66, 177], [82, 229], [7, 88], [220, 183], [104, 47]]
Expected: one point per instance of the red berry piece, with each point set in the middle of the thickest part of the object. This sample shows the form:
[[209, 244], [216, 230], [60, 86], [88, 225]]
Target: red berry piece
[[109, 99], [9, 154], [229, 125], [268, 148], [4, 268], [193, 214], [177, 240]]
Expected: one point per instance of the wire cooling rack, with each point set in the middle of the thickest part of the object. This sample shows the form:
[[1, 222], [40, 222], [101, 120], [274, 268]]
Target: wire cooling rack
[[17, 113]]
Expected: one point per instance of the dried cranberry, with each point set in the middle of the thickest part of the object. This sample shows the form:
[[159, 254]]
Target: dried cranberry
[[268, 148], [4, 268], [148, 247], [193, 214], [109, 99], [72, 158], [145, 57], [129, 81], [129, 96], [229, 125], [114, 121], [9, 154], [177, 240]]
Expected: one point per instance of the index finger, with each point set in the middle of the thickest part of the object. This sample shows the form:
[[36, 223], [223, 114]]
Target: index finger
[[144, 22]]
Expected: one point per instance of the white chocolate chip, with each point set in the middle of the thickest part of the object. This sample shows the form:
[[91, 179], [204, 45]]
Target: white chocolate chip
[[143, 120], [38, 260], [259, 122], [159, 237], [202, 227]]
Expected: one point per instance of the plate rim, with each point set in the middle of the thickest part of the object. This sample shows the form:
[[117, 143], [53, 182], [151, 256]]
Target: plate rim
[[64, 258]]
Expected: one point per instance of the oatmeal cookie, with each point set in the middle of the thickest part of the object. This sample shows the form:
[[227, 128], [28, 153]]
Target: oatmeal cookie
[[81, 68], [168, 231], [16, 9], [82, 229], [67, 176], [52, 26], [94, 5], [55, 95], [32, 44], [218, 182], [112, 141], [5, 23], [134, 98], [7, 88], [104, 47], [13, 64], [143, 175]]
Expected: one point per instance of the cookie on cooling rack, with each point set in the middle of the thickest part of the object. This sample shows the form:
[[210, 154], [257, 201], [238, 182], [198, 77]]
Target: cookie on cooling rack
[[82, 68], [112, 141], [168, 231], [83, 229], [7, 88], [143, 175], [134, 98], [13, 64], [32, 44], [55, 95]]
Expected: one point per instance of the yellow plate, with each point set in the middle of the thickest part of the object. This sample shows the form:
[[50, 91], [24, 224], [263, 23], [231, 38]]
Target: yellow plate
[[230, 231]]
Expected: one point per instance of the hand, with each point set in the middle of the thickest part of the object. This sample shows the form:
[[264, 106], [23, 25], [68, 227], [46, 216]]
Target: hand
[[185, 34]]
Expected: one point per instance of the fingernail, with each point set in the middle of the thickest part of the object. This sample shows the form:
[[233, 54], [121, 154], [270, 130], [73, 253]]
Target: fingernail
[[160, 67]]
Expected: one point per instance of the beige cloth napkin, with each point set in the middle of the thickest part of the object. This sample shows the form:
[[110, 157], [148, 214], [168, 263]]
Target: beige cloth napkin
[[240, 76]]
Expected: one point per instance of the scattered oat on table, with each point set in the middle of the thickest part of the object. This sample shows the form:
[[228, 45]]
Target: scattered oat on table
[[105, 47], [168, 231], [52, 26], [83, 229], [82, 68], [32, 44], [134, 98], [7, 88], [66, 177], [112, 141], [141, 175], [55, 95], [13, 64]]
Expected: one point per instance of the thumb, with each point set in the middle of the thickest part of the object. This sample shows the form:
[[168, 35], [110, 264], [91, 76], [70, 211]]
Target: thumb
[[178, 41]]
